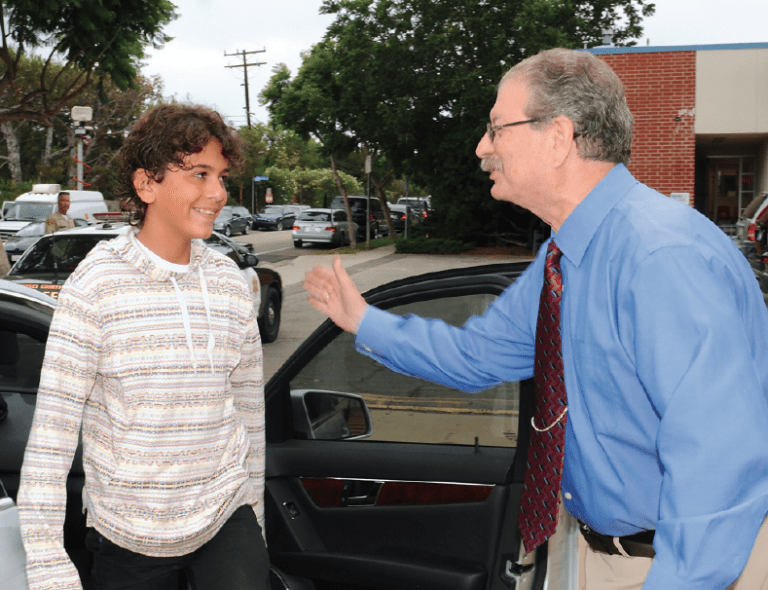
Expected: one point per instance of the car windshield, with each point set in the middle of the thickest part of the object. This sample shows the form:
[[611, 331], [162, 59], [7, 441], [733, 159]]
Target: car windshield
[[272, 210], [57, 254], [315, 216], [28, 211], [31, 230]]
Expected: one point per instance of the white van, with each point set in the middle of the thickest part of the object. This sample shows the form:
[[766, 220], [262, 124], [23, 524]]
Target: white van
[[42, 201]]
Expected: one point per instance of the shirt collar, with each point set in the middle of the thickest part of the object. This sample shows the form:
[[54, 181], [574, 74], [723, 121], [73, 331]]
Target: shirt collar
[[581, 225]]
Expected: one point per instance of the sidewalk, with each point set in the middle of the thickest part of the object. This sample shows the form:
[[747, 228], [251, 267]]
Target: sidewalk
[[378, 266]]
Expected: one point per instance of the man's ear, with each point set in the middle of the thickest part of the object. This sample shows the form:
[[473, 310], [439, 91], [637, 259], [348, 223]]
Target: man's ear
[[144, 185], [561, 139]]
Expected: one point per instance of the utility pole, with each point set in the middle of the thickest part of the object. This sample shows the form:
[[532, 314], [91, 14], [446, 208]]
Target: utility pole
[[245, 65]]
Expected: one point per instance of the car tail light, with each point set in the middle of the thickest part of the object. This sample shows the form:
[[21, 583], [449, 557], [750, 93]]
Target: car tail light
[[296, 227], [372, 217], [424, 213], [330, 228], [751, 232]]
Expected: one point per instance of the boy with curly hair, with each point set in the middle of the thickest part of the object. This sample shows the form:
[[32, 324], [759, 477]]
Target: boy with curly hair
[[154, 351]]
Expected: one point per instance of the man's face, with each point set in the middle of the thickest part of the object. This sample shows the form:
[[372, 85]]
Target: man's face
[[515, 157], [187, 200], [63, 204]]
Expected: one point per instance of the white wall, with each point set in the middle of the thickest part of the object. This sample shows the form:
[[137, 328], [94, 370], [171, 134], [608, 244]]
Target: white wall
[[732, 91]]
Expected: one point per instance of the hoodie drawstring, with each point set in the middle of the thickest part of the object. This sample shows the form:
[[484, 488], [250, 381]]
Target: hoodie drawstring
[[188, 326]]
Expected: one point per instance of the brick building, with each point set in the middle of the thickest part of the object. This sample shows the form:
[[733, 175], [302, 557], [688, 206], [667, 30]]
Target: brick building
[[701, 121]]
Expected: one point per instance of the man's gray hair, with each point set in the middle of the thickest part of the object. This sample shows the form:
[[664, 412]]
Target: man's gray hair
[[582, 87]]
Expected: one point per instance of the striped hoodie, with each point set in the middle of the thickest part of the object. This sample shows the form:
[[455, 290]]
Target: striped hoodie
[[163, 370]]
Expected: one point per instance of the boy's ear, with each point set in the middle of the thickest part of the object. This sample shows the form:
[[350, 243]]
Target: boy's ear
[[144, 185]]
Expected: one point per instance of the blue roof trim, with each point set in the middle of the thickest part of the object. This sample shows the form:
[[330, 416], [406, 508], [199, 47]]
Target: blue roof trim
[[670, 48]]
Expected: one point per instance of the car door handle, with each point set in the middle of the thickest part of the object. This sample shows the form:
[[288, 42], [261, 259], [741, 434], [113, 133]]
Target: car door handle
[[360, 493]]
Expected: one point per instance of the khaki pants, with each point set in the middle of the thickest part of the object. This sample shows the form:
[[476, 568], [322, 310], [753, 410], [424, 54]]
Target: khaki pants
[[598, 571]]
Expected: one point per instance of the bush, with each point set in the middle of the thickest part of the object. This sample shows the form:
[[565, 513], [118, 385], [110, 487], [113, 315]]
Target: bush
[[425, 245]]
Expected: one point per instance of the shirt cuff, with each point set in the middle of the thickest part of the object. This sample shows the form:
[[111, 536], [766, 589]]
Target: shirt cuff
[[372, 334]]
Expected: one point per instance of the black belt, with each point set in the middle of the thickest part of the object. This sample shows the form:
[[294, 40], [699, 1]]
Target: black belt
[[637, 545]]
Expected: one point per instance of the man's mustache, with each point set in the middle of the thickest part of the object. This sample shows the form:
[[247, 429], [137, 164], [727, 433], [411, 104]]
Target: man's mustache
[[491, 163]]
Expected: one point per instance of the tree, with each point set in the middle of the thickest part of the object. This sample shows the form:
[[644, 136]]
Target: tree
[[94, 41], [46, 154], [418, 80], [309, 105]]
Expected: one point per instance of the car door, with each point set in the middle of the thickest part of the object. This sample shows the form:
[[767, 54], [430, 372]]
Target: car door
[[24, 325], [429, 499]]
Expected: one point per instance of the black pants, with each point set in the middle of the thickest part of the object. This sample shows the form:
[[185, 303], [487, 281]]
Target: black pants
[[235, 559]]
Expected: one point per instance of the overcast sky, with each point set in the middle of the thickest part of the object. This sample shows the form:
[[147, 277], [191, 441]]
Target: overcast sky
[[193, 66]]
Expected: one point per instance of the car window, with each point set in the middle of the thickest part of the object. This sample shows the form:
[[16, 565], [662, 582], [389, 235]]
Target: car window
[[406, 409], [315, 216], [31, 230], [20, 361], [30, 210], [59, 253]]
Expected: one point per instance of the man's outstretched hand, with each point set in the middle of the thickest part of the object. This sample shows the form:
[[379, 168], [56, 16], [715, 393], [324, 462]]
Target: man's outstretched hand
[[332, 292]]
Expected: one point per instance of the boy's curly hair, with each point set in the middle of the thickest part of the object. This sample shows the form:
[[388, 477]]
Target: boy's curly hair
[[163, 137]]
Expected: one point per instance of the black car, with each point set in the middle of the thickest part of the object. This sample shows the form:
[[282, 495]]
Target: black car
[[277, 217], [358, 206], [233, 220], [52, 258], [375, 479]]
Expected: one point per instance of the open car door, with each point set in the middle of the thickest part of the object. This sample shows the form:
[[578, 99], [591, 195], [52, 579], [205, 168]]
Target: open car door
[[404, 483]]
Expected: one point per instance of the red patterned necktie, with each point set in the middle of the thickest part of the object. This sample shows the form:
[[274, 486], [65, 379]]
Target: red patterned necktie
[[544, 470]]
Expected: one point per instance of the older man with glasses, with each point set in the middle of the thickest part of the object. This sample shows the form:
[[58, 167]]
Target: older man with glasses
[[643, 328]]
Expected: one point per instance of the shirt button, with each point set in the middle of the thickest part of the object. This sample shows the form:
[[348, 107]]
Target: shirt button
[[568, 496]]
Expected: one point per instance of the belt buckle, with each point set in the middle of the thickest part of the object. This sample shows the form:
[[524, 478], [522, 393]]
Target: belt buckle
[[597, 541]]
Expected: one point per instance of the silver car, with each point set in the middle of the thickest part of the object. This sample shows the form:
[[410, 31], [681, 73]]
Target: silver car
[[322, 226]]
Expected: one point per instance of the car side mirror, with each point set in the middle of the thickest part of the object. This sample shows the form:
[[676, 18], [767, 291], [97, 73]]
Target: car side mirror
[[330, 415], [250, 260]]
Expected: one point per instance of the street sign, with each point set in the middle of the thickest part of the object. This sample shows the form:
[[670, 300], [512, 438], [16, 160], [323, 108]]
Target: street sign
[[260, 178]]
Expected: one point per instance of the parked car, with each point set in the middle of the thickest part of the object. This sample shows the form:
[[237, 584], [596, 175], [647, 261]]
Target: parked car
[[421, 204], [233, 220], [358, 206], [364, 467], [400, 213], [277, 217], [16, 245], [322, 226], [49, 261]]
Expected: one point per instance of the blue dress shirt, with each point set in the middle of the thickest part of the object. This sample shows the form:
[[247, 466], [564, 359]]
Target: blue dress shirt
[[665, 344]]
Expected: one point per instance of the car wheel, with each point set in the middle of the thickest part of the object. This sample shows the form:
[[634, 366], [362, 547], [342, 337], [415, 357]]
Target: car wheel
[[227, 231], [297, 243], [269, 322], [279, 226], [246, 230]]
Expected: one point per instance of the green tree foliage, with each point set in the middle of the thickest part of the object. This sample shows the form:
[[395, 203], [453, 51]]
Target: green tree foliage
[[46, 154], [268, 149], [313, 187], [415, 80], [92, 41]]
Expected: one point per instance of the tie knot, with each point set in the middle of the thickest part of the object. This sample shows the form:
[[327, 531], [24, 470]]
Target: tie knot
[[552, 267]]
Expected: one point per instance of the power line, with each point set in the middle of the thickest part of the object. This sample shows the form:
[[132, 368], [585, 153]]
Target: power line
[[245, 66]]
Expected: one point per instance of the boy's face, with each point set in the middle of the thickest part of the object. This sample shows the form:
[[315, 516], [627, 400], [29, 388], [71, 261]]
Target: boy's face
[[185, 203]]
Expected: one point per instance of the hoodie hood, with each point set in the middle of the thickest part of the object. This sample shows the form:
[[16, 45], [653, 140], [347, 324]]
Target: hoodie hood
[[129, 249]]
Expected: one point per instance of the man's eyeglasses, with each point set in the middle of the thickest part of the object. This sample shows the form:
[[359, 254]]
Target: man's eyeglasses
[[492, 129]]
